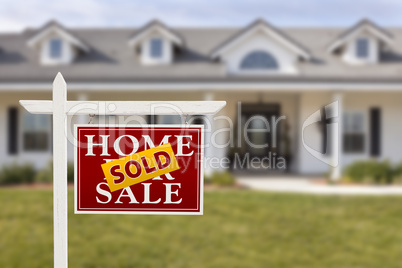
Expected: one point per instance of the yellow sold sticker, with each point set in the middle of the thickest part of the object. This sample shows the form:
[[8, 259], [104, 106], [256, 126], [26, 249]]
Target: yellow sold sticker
[[139, 167]]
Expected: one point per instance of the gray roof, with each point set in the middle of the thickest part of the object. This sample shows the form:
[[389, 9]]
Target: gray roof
[[112, 60]]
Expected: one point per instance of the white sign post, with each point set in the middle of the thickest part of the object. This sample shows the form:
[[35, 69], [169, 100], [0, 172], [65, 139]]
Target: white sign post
[[60, 108]]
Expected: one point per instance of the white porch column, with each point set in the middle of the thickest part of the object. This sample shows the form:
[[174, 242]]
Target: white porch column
[[337, 138], [209, 128]]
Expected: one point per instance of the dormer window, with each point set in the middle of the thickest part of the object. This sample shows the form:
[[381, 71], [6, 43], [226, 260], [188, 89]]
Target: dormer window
[[259, 60], [156, 44], [156, 49], [56, 45], [362, 48], [361, 44], [55, 48]]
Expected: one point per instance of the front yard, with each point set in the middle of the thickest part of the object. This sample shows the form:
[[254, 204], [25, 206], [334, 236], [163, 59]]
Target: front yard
[[239, 229]]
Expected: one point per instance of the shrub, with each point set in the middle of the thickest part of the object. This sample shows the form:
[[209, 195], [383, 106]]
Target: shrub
[[70, 172], [370, 172], [222, 178], [15, 174], [46, 174], [397, 173], [207, 179]]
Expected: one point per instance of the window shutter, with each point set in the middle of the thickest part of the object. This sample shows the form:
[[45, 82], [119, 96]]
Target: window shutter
[[151, 119], [375, 132], [12, 117]]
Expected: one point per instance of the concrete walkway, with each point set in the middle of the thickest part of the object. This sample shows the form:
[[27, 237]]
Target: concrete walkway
[[295, 184]]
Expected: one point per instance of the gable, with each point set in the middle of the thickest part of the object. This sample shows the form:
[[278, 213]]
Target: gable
[[53, 29], [56, 45], [365, 28], [270, 49], [361, 44], [156, 28], [155, 43], [263, 27]]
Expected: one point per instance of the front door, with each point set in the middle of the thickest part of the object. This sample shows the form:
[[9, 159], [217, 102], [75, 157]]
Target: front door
[[258, 127]]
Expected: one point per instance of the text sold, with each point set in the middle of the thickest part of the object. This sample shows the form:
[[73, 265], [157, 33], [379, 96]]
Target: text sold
[[139, 167]]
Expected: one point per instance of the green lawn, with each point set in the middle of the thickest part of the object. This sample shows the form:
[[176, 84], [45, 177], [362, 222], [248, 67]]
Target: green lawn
[[239, 229]]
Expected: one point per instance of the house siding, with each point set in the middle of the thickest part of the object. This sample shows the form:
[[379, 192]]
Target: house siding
[[391, 129], [296, 106]]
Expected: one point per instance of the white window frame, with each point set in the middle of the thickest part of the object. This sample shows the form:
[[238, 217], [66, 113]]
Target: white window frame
[[356, 44], [49, 50], [67, 52], [259, 69], [22, 129], [151, 40], [364, 130], [285, 63]]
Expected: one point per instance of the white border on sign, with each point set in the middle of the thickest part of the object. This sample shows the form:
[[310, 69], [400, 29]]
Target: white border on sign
[[157, 209], [200, 179]]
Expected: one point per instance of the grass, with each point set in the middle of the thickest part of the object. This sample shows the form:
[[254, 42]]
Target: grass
[[239, 229]]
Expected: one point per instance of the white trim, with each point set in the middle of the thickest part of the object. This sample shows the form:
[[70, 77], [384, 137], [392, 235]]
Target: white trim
[[267, 31], [352, 34], [136, 39], [62, 33], [225, 86]]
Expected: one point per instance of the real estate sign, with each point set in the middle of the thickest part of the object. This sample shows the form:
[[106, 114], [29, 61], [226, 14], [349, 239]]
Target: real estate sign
[[139, 169]]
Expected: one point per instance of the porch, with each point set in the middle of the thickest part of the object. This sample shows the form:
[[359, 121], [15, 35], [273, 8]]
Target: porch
[[321, 132], [373, 125]]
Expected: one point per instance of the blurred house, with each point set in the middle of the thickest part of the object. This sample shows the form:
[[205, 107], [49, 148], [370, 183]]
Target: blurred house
[[260, 70]]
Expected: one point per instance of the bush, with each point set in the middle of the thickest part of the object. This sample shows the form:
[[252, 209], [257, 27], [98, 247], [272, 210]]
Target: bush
[[16, 174], [46, 174], [222, 178], [70, 172], [397, 173], [370, 172]]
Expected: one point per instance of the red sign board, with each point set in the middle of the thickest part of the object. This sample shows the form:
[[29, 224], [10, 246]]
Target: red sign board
[[139, 169]]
